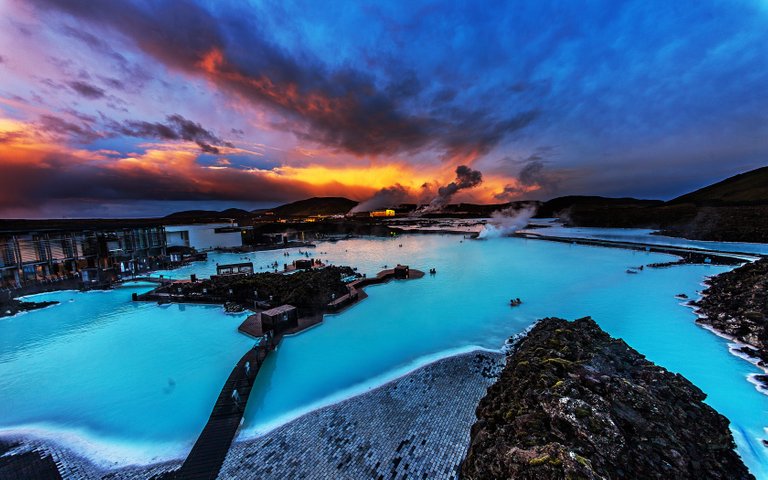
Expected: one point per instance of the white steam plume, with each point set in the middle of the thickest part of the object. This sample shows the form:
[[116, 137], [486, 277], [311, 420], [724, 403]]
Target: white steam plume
[[386, 197], [508, 221]]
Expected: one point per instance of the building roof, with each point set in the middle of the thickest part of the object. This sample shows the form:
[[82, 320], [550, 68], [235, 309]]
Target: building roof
[[279, 310], [233, 265]]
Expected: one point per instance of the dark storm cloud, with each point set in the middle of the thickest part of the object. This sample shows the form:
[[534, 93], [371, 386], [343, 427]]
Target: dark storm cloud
[[176, 127], [87, 90], [477, 133], [532, 173], [61, 128], [341, 107], [67, 178]]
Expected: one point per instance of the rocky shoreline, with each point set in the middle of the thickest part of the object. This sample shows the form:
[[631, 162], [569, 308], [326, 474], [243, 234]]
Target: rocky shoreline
[[735, 305], [13, 307], [572, 402]]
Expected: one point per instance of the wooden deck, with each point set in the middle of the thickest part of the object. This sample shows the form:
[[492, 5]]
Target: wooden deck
[[305, 323], [252, 326], [207, 455]]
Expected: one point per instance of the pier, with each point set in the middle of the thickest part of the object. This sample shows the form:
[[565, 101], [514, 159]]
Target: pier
[[687, 254], [207, 455], [161, 281]]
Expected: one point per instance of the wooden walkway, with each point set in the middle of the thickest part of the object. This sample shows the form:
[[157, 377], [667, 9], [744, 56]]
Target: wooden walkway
[[159, 280], [207, 455]]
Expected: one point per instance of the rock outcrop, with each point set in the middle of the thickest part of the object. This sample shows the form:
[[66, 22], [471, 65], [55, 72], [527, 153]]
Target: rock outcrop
[[572, 402], [12, 307], [736, 304]]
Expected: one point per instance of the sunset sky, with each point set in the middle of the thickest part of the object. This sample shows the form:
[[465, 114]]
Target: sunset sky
[[134, 108]]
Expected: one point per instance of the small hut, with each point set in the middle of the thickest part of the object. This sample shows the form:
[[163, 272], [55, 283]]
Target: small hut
[[402, 271], [280, 319], [234, 269], [303, 264]]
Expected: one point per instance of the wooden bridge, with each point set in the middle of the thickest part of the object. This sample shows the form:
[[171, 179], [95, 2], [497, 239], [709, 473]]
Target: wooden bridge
[[149, 279], [207, 455]]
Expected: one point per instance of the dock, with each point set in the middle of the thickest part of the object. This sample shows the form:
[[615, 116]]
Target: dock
[[161, 281], [207, 455], [687, 254], [253, 327]]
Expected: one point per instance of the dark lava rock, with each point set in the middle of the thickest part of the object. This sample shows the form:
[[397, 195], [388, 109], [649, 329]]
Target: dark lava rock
[[232, 307], [13, 306], [736, 304], [572, 402]]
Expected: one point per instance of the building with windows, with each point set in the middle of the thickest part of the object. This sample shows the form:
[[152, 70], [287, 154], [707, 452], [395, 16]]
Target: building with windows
[[206, 236], [51, 254]]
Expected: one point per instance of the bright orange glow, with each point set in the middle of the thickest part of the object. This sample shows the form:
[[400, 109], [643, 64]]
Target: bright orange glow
[[212, 61], [375, 176], [311, 104], [29, 155]]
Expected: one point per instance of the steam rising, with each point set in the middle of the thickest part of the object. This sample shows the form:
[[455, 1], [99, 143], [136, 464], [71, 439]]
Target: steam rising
[[465, 178], [386, 197], [508, 221]]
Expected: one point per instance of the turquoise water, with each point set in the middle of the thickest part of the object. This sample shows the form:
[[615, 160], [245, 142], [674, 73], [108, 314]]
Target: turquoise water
[[403, 323], [644, 235], [123, 381], [110, 375]]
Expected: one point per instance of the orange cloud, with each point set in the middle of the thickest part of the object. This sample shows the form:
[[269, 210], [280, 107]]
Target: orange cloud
[[37, 171]]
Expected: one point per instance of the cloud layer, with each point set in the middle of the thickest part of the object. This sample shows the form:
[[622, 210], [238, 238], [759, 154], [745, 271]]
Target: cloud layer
[[177, 101]]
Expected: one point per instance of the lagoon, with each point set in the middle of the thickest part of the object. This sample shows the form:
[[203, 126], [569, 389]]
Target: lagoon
[[135, 382]]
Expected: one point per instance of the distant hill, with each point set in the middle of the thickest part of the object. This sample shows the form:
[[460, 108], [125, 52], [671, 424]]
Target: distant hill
[[197, 216], [313, 206], [551, 208], [485, 210], [749, 188], [733, 210]]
